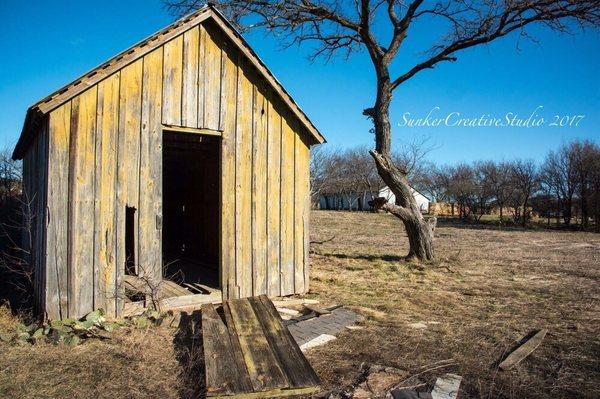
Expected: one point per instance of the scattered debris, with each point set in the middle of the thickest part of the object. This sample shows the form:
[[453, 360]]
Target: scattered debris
[[286, 311], [352, 328], [446, 387], [294, 302], [527, 347], [419, 326], [375, 381], [378, 382], [320, 340], [319, 311]]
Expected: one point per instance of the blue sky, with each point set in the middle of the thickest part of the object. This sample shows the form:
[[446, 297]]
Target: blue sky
[[47, 44]]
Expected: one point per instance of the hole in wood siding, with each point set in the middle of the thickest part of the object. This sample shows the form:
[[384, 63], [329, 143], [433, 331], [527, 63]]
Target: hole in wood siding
[[130, 265]]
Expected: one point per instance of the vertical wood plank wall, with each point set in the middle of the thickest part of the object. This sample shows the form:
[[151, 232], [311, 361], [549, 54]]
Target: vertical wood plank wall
[[104, 153]]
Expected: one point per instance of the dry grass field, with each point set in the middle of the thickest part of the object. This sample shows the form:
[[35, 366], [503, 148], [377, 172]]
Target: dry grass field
[[488, 289]]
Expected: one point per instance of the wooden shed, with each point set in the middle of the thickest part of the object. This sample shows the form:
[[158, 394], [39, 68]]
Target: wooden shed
[[182, 156]]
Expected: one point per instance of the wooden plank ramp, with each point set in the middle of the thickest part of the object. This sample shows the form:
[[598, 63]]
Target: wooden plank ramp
[[249, 353]]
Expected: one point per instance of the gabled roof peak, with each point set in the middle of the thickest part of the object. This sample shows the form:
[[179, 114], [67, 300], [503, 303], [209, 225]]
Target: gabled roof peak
[[36, 112]]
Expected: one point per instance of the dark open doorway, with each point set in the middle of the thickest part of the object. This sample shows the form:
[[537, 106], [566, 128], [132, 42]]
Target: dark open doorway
[[191, 172]]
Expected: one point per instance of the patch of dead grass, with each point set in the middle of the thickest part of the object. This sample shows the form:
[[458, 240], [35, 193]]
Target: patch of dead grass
[[132, 364], [488, 288]]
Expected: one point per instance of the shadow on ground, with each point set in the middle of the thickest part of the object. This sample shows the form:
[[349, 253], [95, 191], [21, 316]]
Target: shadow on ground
[[189, 352]]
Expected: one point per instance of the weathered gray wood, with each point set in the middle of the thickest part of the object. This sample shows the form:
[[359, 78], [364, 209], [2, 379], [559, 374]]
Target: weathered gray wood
[[263, 367], [294, 363], [273, 194], [228, 120], [150, 232], [212, 80], [225, 372], [41, 217], [188, 301], [106, 165], [201, 73], [127, 163], [189, 98], [243, 184], [523, 351], [58, 194], [172, 81], [81, 200], [259, 193]]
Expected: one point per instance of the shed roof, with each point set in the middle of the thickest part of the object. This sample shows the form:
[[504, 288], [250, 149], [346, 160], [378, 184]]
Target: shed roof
[[36, 112]]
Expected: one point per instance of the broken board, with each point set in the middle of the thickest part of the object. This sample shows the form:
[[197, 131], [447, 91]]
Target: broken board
[[523, 351], [249, 353]]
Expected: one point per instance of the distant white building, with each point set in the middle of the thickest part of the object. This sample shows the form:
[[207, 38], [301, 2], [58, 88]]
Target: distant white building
[[360, 201]]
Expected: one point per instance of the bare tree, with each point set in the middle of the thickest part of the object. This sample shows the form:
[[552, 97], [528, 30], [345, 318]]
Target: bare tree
[[584, 155], [559, 175], [16, 249], [10, 178], [324, 165], [526, 182], [461, 188], [498, 176], [346, 27]]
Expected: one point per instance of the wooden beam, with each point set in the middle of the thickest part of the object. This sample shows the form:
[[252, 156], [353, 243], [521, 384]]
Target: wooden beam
[[192, 130], [523, 351]]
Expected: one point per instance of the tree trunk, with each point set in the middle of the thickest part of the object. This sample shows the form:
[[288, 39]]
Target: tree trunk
[[420, 235], [419, 231]]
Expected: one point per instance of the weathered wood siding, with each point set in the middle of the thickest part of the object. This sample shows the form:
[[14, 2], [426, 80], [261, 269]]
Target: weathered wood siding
[[104, 151], [34, 216]]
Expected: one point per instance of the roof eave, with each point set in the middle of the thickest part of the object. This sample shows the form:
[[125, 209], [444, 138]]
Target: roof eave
[[33, 119]]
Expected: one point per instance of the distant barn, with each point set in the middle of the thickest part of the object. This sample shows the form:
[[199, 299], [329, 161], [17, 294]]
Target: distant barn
[[183, 150], [358, 200]]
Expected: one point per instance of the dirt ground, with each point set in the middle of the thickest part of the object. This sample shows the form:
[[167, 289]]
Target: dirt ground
[[488, 289]]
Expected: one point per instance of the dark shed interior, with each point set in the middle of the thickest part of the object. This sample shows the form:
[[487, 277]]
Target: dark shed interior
[[191, 208]]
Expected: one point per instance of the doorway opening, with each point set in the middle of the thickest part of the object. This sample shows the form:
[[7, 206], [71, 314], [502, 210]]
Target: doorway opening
[[191, 208]]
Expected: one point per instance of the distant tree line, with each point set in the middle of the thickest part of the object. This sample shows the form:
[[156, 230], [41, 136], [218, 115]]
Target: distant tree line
[[346, 172], [564, 188], [10, 185]]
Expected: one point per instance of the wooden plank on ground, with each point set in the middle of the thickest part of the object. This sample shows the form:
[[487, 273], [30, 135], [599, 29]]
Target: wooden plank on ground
[[257, 342], [523, 351], [296, 367], [225, 372], [188, 301], [263, 367]]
